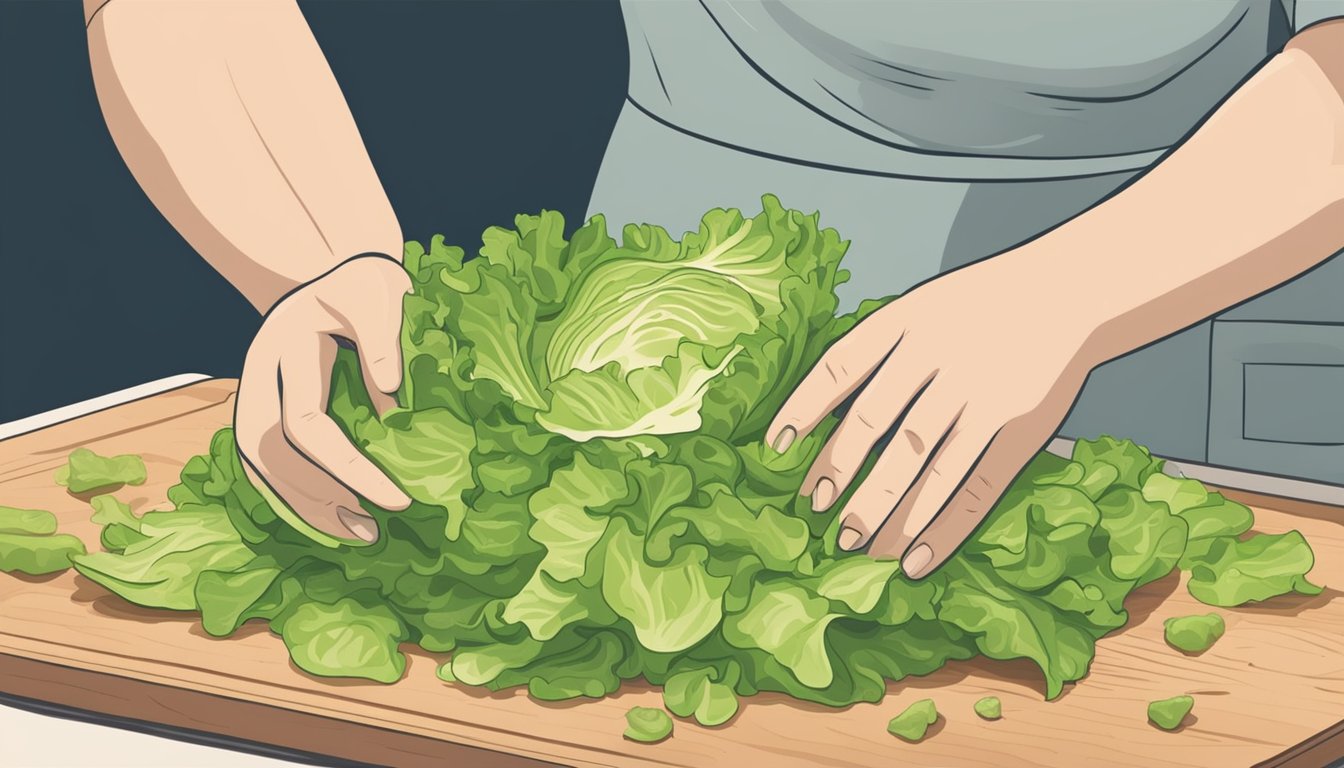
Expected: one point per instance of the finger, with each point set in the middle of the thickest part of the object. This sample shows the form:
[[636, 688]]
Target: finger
[[946, 474], [311, 493], [271, 461], [382, 402], [984, 485], [305, 381], [931, 422], [879, 405], [847, 364], [374, 323]]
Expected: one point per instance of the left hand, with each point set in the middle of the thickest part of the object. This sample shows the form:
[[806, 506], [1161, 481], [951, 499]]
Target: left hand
[[976, 370]]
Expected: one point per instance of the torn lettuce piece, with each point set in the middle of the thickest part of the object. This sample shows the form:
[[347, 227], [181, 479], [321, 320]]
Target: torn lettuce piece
[[1132, 464], [574, 666], [1146, 539], [121, 528], [161, 570], [1236, 572], [989, 708], [1008, 623], [34, 522], [38, 555], [914, 722], [224, 598], [353, 637], [647, 724], [695, 693], [85, 470], [425, 453], [1194, 634], [672, 606], [1167, 714], [857, 582], [786, 622]]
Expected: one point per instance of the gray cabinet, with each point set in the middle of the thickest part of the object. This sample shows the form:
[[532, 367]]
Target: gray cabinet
[[1276, 398]]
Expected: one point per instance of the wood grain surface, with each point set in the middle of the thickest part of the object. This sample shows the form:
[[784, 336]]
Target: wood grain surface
[[1271, 691]]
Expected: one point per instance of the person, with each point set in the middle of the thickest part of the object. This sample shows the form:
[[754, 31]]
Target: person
[[1062, 193]]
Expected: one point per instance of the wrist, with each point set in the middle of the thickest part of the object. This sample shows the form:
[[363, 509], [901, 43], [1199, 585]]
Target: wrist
[[376, 261], [1073, 288]]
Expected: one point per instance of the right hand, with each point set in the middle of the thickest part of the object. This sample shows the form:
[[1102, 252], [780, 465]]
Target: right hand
[[284, 435]]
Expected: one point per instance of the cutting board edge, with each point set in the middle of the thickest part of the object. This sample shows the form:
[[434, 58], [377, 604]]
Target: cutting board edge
[[130, 700]]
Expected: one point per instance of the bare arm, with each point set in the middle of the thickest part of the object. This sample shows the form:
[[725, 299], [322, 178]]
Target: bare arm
[[229, 117], [231, 120], [1253, 199], [980, 358]]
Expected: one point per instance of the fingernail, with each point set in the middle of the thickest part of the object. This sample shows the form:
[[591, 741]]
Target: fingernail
[[917, 560], [848, 539], [362, 526], [823, 495], [785, 439]]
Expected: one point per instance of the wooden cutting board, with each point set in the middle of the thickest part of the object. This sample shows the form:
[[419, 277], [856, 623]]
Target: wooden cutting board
[[1271, 691]]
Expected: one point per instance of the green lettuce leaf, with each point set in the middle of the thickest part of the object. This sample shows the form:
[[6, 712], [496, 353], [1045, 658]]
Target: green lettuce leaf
[[1235, 572], [354, 634], [85, 471], [647, 724], [35, 522], [671, 607], [38, 555]]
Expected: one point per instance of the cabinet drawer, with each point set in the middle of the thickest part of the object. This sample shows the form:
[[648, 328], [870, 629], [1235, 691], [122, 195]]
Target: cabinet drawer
[[1276, 398]]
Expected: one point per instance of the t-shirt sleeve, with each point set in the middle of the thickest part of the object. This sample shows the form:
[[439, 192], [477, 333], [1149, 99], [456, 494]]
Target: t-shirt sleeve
[[1304, 13]]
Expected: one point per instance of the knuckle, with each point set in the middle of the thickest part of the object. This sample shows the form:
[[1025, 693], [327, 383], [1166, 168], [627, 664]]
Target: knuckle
[[981, 484], [836, 360], [835, 369], [299, 425], [915, 440], [862, 417]]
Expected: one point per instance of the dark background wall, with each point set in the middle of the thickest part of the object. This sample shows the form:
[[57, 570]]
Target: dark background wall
[[472, 110]]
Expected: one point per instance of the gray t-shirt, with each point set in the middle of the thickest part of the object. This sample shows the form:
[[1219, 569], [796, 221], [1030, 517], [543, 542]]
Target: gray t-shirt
[[952, 88]]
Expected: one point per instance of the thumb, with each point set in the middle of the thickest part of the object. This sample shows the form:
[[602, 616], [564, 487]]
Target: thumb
[[374, 317], [379, 352]]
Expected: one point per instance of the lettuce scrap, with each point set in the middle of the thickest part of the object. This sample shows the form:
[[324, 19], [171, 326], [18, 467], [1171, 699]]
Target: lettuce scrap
[[913, 723], [33, 522], [1168, 714], [647, 724], [1193, 634], [580, 432], [85, 471], [30, 544], [38, 555], [989, 708]]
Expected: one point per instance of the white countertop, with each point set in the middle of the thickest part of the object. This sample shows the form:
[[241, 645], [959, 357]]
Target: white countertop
[[43, 741]]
